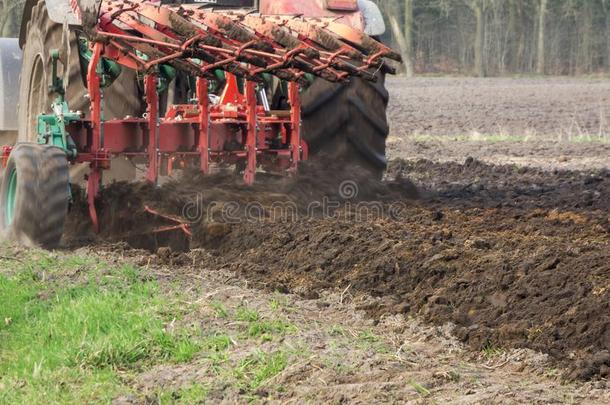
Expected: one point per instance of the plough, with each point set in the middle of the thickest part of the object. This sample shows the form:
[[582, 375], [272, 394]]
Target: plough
[[233, 59]]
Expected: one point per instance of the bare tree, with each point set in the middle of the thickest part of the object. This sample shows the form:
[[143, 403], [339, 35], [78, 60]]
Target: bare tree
[[479, 7], [10, 17], [605, 53], [392, 9], [408, 33], [491, 37], [540, 65]]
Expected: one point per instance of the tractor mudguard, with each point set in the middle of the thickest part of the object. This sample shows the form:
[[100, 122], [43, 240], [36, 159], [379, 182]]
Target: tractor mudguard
[[374, 25], [363, 15], [89, 12], [10, 67], [60, 11]]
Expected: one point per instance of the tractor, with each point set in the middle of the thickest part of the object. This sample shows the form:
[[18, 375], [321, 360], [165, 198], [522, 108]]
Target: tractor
[[110, 85]]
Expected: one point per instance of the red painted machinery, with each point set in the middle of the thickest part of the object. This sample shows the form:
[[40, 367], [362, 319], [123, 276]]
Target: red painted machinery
[[244, 69]]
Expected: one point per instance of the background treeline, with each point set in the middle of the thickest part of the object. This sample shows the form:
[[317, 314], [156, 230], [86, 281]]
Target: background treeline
[[10, 17], [496, 37], [480, 37]]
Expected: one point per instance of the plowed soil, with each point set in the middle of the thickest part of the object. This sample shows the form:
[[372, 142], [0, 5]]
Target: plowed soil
[[515, 256]]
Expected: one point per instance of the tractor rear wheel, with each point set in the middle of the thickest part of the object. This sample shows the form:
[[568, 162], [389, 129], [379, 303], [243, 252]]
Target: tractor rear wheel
[[346, 124], [43, 35], [34, 195]]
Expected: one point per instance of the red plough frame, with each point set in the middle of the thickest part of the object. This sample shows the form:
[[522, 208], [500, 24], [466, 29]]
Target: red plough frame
[[141, 35]]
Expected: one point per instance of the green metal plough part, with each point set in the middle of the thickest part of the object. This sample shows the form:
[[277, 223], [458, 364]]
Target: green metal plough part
[[51, 127]]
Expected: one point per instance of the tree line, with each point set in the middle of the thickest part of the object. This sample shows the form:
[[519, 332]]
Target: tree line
[[497, 37], [10, 17], [480, 37]]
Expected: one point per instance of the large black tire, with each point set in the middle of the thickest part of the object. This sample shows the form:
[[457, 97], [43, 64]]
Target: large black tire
[[43, 35], [346, 124], [35, 185]]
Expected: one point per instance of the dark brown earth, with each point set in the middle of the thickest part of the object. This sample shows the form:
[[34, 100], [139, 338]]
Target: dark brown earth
[[515, 257], [511, 246]]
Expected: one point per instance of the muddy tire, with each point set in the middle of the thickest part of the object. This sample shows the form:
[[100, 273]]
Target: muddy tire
[[34, 195], [346, 124], [121, 99]]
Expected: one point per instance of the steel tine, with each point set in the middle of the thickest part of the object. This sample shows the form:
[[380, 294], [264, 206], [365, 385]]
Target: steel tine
[[281, 35], [186, 29], [226, 26], [357, 38], [320, 36]]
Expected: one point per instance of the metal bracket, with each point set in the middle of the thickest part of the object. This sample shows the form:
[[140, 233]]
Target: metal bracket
[[52, 127]]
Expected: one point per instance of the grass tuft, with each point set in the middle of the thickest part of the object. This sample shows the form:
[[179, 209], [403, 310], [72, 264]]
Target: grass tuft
[[245, 314], [189, 395], [420, 389], [259, 367], [490, 351], [220, 310], [266, 329]]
